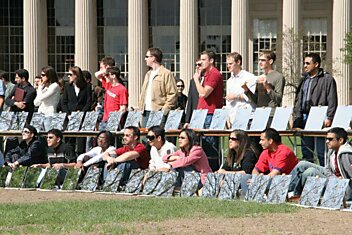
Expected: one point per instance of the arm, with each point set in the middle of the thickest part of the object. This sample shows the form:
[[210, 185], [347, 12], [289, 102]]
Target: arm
[[89, 99], [9, 101], [203, 91], [171, 93], [276, 91], [195, 154], [332, 102], [274, 172], [99, 157], [34, 151], [64, 102], [51, 90]]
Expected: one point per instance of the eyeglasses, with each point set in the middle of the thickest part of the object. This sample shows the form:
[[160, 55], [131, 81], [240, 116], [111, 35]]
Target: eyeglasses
[[198, 64], [180, 86], [330, 139], [182, 137], [26, 132], [306, 63], [69, 74], [147, 56], [43, 75], [50, 137], [127, 135], [233, 138], [107, 74], [150, 137]]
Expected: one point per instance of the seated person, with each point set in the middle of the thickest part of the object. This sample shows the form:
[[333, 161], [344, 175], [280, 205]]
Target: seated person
[[190, 157], [132, 155], [95, 155], [30, 151], [159, 148], [242, 155], [339, 163]]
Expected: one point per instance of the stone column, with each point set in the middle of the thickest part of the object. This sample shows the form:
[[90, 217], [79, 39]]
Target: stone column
[[341, 24], [35, 36], [137, 46], [86, 51], [291, 59], [239, 37], [188, 39]]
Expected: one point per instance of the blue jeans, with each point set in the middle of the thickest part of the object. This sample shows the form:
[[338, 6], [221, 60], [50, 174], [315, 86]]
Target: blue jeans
[[210, 145], [301, 173], [309, 144]]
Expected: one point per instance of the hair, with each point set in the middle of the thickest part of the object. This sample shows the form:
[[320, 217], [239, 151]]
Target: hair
[[86, 75], [210, 53], [135, 131], [270, 55], [4, 76], [80, 82], [61, 82], [315, 58], [339, 133], [108, 60], [157, 53], [192, 138], [245, 145], [180, 80], [22, 73], [236, 56], [158, 131], [50, 74], [56, 132], [271, 133], [115, 71], [31, 129], [109, 136]]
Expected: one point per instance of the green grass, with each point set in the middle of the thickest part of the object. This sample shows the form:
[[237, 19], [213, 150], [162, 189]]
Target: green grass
[[116, 216]]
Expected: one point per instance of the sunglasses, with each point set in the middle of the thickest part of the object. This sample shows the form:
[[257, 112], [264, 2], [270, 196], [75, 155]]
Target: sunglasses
[[43, 75], [306, 63], [150, 137], [233, 138], [180, 86], [330, 139], [50, 137], [147, 56], [182, 137], [69, 74], [198, 64], [26, 132]]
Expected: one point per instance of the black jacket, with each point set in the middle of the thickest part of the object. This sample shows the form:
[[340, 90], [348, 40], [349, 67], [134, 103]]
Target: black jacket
[[63, 153], [192, 103], [323, 93], [71, 102]]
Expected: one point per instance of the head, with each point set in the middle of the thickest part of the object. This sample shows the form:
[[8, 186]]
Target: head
[[156, 136], [105, 63], [187, 139], [49, 75], [54, 138], [28, 133], [153, 55], [208, 59], [234, 62], [87, 76], [198, 65], [22, 76], [113, 73], [62, 84], [131, 135], [4, 76], [180, 85], [239, 142], [266, 59], [336, 137], [312, 63], [37, 81], [270, 138], [75, 75], [105, 139]]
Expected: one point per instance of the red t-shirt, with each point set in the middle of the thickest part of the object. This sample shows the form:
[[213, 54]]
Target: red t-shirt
[[114, 97], [283, 160], [215, 99], [142, 160]]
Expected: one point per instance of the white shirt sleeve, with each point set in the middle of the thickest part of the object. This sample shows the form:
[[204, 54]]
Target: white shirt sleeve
[[98, 157]]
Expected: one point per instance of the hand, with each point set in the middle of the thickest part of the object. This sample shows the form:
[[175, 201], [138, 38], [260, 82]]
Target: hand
[[221, 171], [111, 160], [245, 87], [327, 123], [58, 166], [79, 164], [12, 165], [186, 125], [261, 79], [232, 96], [197, 76], [20, 105]]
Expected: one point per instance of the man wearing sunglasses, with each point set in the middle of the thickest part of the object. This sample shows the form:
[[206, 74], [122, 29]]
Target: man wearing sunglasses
[[338, 165], [159, 148]]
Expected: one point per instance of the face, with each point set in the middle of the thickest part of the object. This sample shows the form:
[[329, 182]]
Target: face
[[183, 140], [232, 66], [27, 134], [52, 140], [102, 140], [207, 63], [18, 80], [103, 67], [151, 138], [180, 87], [332, 142], [128, 137], [233, 141], [263, 62], [71, 76], [44, 78], [309, 66], [199, 65], [149, 59], [264, 142], [109, 76]]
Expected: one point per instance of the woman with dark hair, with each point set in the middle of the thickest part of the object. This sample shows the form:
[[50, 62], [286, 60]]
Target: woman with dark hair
[[77, 95], [181, 98], [48, 92], [104, 142], [242, 156], [190, 156]]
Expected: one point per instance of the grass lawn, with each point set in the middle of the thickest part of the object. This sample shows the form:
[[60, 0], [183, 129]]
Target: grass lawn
[[117, 216]]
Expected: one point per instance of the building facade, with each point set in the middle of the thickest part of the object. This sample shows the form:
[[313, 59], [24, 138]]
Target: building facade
[[62, 33]]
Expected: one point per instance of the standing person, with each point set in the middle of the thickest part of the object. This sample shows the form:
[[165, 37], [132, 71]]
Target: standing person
[[23, 95], [48, 92], [116, 94], [210, 98], [104, 64], [181, 98], [9, 87], [318, 88], [97, 91], [159, 87], [235, 94]]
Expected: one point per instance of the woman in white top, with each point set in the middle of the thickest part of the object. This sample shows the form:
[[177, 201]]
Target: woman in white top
[[48, 92]]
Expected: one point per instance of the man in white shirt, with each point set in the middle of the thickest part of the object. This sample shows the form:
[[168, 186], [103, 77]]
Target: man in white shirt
[[235, 94], [159, 148]]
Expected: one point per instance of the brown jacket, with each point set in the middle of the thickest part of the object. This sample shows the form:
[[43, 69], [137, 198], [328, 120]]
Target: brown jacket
[[164, 93]]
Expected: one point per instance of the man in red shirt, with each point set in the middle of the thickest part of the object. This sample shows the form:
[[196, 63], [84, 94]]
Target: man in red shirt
[[132, 155], [211, 98]]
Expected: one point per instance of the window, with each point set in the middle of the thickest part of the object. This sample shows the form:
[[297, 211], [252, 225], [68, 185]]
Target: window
[[315, 37]]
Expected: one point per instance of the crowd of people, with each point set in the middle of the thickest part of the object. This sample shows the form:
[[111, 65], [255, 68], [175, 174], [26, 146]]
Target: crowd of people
[[162, 92]]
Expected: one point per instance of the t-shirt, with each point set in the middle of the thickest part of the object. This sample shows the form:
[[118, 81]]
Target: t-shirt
[[142, 160], [114, 97], [215, 100], [283, 160], [156, 161]]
